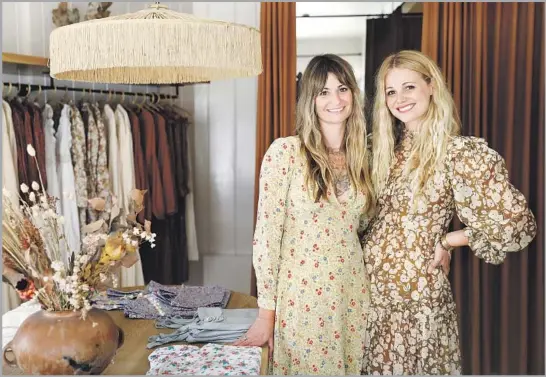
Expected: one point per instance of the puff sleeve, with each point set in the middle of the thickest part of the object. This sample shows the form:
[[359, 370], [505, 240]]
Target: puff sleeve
[[496, 214]]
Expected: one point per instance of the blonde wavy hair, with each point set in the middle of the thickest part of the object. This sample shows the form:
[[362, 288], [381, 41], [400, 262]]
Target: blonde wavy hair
[[319, 175], [440, 123]]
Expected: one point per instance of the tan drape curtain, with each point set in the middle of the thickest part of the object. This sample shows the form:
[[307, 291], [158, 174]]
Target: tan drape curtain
[[493, 57], [276, 85]]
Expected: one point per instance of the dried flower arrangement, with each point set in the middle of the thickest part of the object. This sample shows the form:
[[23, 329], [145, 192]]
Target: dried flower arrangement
[[34, 246]]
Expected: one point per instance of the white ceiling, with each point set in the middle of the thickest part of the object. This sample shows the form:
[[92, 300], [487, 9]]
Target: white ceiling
[[332, 27]]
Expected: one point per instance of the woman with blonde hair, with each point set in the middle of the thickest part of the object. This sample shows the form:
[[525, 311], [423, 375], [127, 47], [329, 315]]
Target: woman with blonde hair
[[314, 196], [423, 174]]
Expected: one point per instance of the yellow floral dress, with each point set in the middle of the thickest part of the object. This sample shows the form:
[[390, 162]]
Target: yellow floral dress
[[309, 269], [412, 325]]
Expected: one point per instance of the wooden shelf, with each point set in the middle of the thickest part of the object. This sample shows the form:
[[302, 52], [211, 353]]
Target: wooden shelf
[[24, 59], [412, 7]]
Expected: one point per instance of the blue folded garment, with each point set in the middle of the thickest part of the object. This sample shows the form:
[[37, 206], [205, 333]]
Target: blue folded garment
[[211, 325]]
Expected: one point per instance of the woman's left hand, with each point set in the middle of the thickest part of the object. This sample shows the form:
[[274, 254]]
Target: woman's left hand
[[259, 334], [442, 258]]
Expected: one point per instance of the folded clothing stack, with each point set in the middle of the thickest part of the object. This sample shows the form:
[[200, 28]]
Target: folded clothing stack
[[210, 360], [113, 299], [210, 325], [160, 301]]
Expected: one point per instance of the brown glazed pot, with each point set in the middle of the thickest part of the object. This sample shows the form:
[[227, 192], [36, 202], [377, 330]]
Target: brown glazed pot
[[64, 343]]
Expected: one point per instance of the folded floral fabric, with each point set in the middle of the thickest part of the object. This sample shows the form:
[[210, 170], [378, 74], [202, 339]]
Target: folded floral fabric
[[164, 293], [189, 297], [158, 301], [131, 295], [113, 299], [196, 297], [152, 307], [210, 360]]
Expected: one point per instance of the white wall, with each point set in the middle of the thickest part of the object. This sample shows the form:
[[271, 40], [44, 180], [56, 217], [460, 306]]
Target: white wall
[[332, 27], [225, 139], [337, 33], [349, 48], [223, 135]]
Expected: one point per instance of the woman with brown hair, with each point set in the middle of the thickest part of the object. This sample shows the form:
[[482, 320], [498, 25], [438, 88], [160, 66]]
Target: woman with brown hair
[[314, 199]]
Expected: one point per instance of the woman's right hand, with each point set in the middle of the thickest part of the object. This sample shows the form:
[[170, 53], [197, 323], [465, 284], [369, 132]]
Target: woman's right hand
[[442, 258]]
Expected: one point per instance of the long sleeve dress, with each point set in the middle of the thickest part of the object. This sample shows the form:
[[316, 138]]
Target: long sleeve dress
[[412, 325], [309, 269]]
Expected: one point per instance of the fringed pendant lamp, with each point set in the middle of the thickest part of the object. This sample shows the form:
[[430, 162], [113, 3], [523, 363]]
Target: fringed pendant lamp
[[154, 46]]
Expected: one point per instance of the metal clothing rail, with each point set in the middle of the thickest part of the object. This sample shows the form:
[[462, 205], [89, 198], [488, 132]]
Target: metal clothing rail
[[378, 15], [25, 89], [337, 53]]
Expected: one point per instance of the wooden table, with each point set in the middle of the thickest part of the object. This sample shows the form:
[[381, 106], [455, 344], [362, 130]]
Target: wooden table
[[132, 357]]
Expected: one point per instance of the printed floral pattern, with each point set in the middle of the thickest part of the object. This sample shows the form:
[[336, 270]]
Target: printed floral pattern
[[210, 360], [412, 325], [103, 176], [78, 150], [92, 159], [310, 269]]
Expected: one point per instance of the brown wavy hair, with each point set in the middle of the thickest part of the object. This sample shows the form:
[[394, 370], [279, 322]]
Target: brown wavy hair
[[320, 175]]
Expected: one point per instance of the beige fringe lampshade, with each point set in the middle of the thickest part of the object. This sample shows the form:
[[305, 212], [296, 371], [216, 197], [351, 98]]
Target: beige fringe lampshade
[[154, 46]]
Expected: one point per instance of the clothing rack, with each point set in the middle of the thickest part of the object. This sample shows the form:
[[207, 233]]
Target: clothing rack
[[36, 61], [26, 89], [374, 15], [336, 53], [378, 15]]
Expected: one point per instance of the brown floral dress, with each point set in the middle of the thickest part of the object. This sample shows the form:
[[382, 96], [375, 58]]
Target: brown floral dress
[[412, 324]]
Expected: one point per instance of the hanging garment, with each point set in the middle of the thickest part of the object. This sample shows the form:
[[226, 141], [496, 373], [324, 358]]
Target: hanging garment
[[177, 131], [91, 167], [149, 142], [109, 120], [170, 264], [10, 178], [141, 178], [103, 176], [127, 167], [164, 152], [78, 152], [23, 136], [132, 276], [38, 138], [10, 298], [65, 170], [53, 187], [191, 230]]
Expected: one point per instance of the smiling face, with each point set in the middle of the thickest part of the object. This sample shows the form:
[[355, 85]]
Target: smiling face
[[333, 104], [408, 96]]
